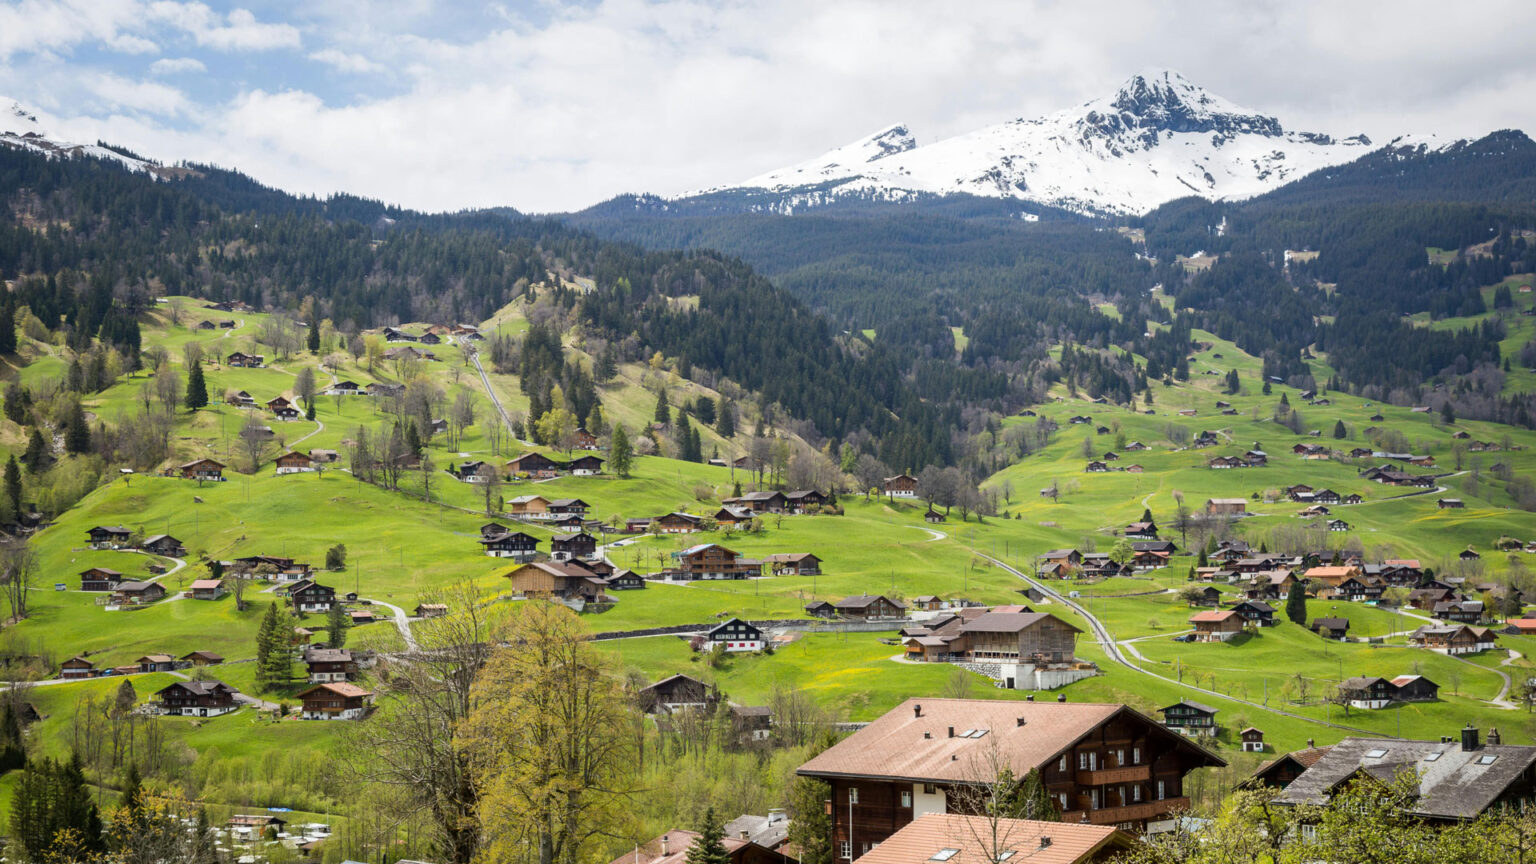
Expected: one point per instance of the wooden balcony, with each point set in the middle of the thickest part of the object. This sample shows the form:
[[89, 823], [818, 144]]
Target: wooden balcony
[[1131, 813], [1123, 774]]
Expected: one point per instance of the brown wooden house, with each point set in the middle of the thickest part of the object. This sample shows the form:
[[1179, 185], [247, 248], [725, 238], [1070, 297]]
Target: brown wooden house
[[677, 523], [793, 564], [1101, 764], [99, 579], [711, 561], [335, 701], [197, 699], [202, 470], [870, 606]]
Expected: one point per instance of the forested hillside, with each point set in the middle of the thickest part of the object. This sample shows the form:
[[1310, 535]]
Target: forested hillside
[[1342, 263], [91, 245]]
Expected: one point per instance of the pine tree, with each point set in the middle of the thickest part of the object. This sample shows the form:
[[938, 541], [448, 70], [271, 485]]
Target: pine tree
[[1447, 413], [704, 409], [336, 626], [77, 436], [18, 401], [810, 828], [1233, 385], [133, 792], [197, 389], [7, 329], [620, 454], [309, 409], [708, 848], [13, 750], [1296, 604], [663, 410], [413, 438], [38, 454], [13, 485], [312, 340], [1338, 429], [725, 419], [1266, 390], [269, 649]]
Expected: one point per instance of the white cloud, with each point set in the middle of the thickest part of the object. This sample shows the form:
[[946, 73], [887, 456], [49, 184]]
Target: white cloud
[[117, 94], [344, 61], [176, 65], [556, 107], [237, 31]]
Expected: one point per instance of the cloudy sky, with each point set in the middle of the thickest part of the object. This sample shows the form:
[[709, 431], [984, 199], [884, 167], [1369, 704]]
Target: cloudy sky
[[548, 106]]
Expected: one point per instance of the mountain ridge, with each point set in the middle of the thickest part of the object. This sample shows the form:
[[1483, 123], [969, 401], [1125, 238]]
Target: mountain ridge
[[1157, 138]]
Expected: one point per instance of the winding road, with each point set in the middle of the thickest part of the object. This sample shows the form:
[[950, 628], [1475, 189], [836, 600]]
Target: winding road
[[1117, 653]]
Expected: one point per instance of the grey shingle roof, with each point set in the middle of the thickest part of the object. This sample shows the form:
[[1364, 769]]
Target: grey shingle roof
[[1453, 785]]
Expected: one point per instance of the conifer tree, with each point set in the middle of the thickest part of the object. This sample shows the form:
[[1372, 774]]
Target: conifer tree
[[1338, 429], [620, 453], [77, 436], [271, 649], [38, 452], [1296, 604], [725, 419], [708, 848], [13, 751], [336, 626], [133, 792], [7, 329], [312, 340], [13, 485], [704, 409], [663, 410], [197, 388]]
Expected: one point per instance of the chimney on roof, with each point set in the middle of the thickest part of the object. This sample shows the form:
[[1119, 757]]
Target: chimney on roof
[[1311, 743], [1021, 721], [951, 731], [1045, 842], [1493, 736], [664, 844], [745, 834], [927, 734], [917, 710], [1061, 697], [1469, 738]]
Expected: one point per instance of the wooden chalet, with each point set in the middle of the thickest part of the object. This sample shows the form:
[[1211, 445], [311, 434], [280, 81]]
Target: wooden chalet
[[1458, 777], [1226, 506], [560, 508], [99, 579], [510, 544], [760, 502], [675, 693], [163, 544], [282, 409], [869, 607], [335, 701], [1255, 612], [564, 580], [804, 500], [137, 593], [793, 564], [431, 610], [933, 517], [109, 536], [585, 466], [242, 360], [624, 580], [1141, 531], [202, 658], [1367, 692], [1252, 740], [733, 516], [1190, 718], [529, 507], [156, 663], [735, 635], [77, 667], [677, 523], [1415, 688], [206, 589], [711, 561], [1279, 773], [564, 547], [309, 596], [293, 462], [1453, 639], [1216, 625], [674, 847], [325, 665], [197, 699], [344, 388], [533, 464], [1330, 628], [900, 486], [202, 470], [1101, 764]]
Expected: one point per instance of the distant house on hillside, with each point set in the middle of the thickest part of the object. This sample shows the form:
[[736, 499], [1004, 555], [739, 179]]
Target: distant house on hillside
[[900, 486], [202, 470]]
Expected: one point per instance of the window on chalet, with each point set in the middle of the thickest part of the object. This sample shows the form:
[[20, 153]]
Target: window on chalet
[[846, 851], [1160, 790], [906, 798], [1135, 755], [1136, 794], [1119, 758], [853, 794], [1063, 766], [930, 789]]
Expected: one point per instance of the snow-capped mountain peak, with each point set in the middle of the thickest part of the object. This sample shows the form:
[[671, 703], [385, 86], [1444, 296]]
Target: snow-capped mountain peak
[[1157, 138], [21, 128]]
